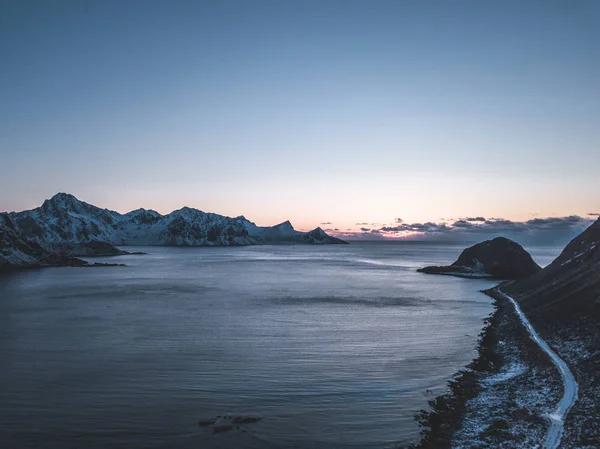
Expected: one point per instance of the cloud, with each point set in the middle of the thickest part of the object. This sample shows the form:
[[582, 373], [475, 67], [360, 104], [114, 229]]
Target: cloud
[[551, 230], [373, 234], [365, 229], [594, 214], [428, 227], [361, 224], [326, 223], [463, 224], [398, 220]]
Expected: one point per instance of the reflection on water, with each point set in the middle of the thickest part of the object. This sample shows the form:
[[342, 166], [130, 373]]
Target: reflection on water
[[334, 347]]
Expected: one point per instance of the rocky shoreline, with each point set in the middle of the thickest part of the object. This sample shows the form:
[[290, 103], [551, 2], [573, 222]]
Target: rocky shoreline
[[500, 400], [582, 426], [507, 406]]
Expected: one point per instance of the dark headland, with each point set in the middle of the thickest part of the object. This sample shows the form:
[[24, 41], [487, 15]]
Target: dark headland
[[503, 399], [500, 258]]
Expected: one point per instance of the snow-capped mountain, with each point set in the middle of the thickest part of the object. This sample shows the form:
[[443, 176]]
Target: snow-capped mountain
[[65, 219], [16, 251]]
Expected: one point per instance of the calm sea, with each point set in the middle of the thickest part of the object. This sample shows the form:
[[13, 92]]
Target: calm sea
[[333, 346]]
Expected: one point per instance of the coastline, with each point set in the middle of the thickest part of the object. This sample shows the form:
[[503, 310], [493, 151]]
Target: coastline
[[501, 398], [570, 386]]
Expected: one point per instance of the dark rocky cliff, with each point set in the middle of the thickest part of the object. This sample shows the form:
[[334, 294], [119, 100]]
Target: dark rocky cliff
[[500, 258], [563, 303], [570, 283]]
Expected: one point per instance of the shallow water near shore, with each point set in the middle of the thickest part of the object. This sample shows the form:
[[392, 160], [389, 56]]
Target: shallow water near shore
[[333, 346]]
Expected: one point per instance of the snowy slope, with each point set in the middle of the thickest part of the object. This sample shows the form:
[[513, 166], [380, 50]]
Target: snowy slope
[[65, 219], [16, 251]]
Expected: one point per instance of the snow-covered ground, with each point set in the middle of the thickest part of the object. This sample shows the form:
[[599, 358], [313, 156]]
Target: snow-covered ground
[[511, 408], [570, 387], [581, 350]]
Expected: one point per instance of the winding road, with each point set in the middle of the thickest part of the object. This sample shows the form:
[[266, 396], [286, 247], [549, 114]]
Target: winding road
[[570, 386]]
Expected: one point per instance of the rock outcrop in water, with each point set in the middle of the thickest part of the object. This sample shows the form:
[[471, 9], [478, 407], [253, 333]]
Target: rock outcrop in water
[[64, 220], [500, 258], [225, 423]]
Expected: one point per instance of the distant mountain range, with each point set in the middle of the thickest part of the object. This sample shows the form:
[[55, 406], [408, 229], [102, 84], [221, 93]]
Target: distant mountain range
[[65, 226]]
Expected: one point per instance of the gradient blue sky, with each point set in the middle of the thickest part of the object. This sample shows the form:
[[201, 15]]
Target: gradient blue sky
[[313, 111]]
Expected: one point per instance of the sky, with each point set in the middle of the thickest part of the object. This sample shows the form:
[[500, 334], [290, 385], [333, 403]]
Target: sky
[[331, 113]]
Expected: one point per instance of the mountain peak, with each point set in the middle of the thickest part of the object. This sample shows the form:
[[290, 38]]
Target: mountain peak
[[62, 201], [62, 196], [142, 211], [285, 225], [318, 232], [186, 211]]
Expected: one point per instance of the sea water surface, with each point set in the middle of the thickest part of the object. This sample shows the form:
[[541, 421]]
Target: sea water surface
[[333, 346]]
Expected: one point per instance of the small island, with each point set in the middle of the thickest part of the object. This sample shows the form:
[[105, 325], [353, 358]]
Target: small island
[[500, 258]]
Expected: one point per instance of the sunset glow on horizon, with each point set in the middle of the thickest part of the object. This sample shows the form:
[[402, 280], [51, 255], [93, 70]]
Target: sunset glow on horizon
[[314, 112]]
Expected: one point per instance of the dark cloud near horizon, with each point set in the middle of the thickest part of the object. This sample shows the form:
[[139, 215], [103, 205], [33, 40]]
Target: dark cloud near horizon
[[415, 227], [326, 223], [463, 224], [551, 230], [594, 214], [398, 220], [474, 219], [365, 229]]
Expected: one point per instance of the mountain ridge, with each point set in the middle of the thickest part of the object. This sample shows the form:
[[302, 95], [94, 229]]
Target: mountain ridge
[[64, 219]]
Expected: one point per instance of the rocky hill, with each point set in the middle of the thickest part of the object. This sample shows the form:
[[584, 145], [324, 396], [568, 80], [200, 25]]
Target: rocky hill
[[16, 251], [65, 220], [571, 281], [563, 303], [500, 258]]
